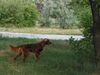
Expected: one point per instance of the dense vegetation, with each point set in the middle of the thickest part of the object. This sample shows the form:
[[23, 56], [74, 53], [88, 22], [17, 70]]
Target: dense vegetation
[[58, 12], [19, 13], [84, 48], [24, 13], [83, 12]]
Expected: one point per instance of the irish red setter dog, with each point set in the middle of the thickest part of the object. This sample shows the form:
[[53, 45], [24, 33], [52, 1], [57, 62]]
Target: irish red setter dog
[[36, 48]]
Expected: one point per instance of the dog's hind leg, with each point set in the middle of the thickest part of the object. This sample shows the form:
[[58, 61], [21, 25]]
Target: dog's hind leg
[[24, 57], [24, 54], [19, 54]]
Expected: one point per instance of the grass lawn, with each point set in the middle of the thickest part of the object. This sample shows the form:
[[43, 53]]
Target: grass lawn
[[37, 30], [55, 59]]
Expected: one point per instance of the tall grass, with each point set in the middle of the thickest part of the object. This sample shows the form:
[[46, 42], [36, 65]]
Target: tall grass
[[56, 59]]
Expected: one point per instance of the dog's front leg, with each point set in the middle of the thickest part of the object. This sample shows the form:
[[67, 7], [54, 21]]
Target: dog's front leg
[[36, 56], [24, 54]]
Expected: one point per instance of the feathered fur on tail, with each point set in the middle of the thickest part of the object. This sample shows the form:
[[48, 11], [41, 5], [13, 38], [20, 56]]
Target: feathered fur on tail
[[13, 48]]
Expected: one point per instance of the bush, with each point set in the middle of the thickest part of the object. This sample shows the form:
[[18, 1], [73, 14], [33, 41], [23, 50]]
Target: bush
[[18, 13], [82, 50], [86, 22]]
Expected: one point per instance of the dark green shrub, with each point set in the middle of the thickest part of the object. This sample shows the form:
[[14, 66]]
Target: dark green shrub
[[82, 50], [86, 23]]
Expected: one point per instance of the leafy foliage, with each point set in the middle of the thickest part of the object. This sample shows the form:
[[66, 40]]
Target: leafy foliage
[[57, 12], [83, 50], [83, 12], [86, 23], [18, 12]]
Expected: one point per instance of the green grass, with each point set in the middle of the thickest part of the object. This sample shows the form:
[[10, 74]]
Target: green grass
[[55, 59], [37, 30]]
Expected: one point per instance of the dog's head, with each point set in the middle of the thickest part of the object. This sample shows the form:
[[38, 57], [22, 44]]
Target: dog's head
[[47, 41]]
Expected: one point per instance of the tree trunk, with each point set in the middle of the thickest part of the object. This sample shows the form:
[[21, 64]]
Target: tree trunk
[[96, 28]]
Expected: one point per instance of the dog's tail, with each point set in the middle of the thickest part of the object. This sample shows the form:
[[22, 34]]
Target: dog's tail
[[13, 48]]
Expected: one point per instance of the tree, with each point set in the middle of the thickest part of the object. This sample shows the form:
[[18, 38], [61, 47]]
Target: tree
[[83, 12], [95, 7], [84, 50], [56, 10], [39, 5]]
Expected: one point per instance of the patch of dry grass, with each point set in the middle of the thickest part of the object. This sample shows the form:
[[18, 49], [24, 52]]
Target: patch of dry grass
[[37, 30]]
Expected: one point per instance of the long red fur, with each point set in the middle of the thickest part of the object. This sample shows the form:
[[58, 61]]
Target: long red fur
[[35, 48]]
